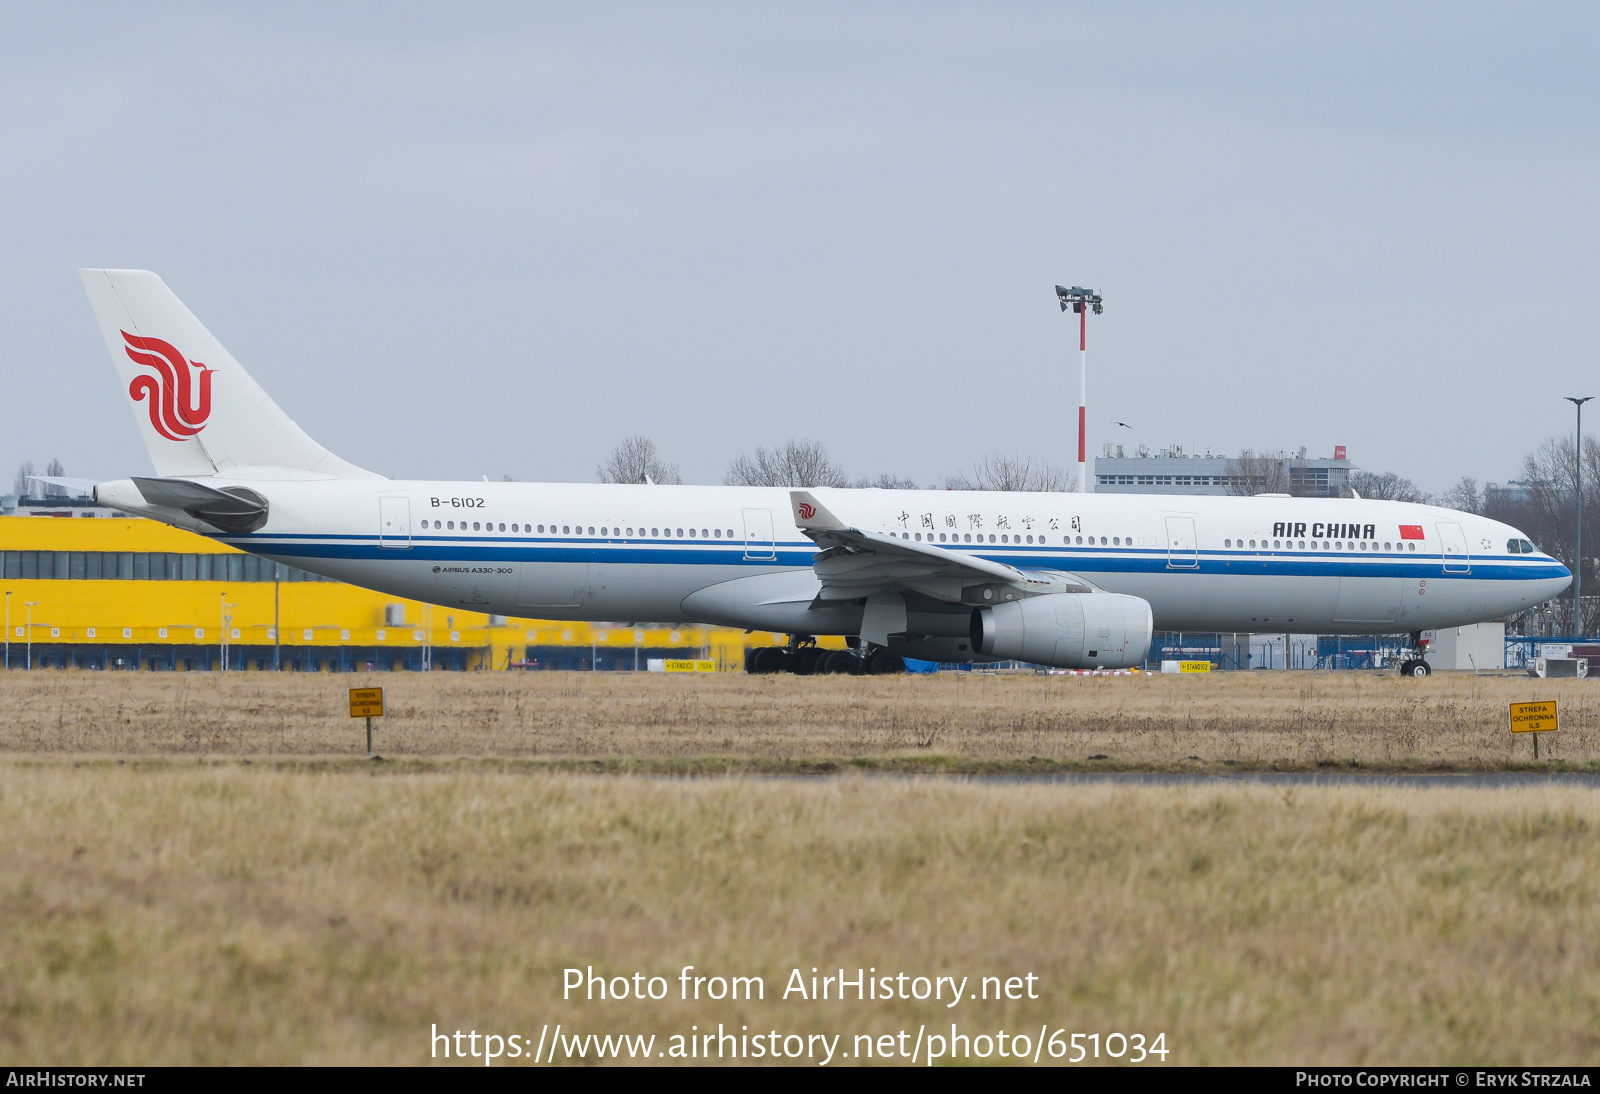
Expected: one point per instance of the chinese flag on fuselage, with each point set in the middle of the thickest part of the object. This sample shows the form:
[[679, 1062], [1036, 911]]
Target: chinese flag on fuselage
[[1411, 531]]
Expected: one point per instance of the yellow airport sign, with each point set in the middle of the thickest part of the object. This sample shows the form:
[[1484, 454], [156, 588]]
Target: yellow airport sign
[[366, 702], [1194, 666], [1536, 717], [690, 666]]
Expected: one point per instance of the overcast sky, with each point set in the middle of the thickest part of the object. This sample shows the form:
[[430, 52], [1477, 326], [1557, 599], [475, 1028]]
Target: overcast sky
[[462, 240]]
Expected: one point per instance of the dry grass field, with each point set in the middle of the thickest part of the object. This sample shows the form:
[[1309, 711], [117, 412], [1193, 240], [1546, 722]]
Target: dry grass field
[[203, 869], [621, 721], [180, 912]]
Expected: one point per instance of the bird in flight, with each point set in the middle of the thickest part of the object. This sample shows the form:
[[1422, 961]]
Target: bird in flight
[[1124, 425]]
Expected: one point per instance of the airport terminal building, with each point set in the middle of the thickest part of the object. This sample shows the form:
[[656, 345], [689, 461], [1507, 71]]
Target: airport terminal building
[[1171, 471]]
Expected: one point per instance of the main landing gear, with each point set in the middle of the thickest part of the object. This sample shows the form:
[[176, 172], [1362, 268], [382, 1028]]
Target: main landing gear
[[804, 657], [1416, 666]]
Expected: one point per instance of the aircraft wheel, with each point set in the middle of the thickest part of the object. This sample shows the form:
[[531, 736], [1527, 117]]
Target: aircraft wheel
[[1420, 668], [838, 663], [804, 661], [1406, 666], [884, 663], [768, 659]]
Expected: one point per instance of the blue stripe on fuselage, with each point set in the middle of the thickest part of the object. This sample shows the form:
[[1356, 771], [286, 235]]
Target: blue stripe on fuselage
[[676, 553]]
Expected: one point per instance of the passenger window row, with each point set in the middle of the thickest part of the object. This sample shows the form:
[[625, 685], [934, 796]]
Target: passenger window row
[[606, 531], [1334, 545], [144, 566]]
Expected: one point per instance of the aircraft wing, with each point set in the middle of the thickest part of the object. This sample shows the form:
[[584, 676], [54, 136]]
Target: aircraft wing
[[855, 564]]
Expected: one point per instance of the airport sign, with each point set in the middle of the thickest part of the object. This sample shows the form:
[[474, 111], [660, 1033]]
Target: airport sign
[[366, 702], [1535, 717]]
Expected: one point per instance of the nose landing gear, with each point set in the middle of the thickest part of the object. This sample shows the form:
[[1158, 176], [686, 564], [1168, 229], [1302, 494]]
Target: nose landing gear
[[1416, 666]]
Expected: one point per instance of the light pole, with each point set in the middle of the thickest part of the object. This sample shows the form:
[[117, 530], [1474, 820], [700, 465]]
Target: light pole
[[227, 618], [29, 629], [8, 628], [277, 627], [1577, 547], [1081, 300]]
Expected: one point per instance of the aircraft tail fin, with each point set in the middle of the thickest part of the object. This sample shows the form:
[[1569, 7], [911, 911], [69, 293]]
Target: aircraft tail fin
[[199, 412]]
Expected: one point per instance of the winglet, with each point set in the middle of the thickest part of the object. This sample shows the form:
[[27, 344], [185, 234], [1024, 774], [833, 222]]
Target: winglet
[[811, 513]]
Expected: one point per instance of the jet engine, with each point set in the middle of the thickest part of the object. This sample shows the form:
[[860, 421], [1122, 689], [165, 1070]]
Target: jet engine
[[1067, 630]]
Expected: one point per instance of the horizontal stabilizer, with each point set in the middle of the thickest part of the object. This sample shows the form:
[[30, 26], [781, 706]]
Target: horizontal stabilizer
[[232, 509], [74, 488]]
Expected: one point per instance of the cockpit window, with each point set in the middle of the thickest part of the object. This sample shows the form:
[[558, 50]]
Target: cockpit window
[[1514, 546], [1528, 548]]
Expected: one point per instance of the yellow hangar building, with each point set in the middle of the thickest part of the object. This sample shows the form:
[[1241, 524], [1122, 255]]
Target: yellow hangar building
[[117, 592]]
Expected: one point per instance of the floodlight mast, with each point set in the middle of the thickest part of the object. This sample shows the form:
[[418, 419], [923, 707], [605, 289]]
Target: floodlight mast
[[1577, 548], [1081, 300]]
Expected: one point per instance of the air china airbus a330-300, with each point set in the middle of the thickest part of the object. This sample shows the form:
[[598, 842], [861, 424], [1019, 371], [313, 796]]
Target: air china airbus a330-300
[[1070, 580]]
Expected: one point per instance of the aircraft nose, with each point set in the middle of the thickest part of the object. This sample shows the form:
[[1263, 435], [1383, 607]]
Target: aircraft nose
[[1550, 581], [1554, 585]]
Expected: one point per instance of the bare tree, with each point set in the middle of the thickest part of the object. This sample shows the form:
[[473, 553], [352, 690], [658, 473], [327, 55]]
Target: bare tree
[[796, 463], [55, 470], [24, 473], [885, 482], [636, 460], [1255, 473], [1549, 473], [1464, 496], [1387, 486], [1025, 474]]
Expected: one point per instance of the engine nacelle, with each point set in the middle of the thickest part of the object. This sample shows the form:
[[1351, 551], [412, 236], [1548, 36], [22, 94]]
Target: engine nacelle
[[1067, 630]]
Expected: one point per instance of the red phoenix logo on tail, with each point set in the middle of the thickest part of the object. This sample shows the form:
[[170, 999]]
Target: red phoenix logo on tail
[[807, 510], [178, 407]]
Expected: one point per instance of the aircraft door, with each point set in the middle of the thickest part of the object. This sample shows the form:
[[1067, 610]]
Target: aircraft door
[[394, 523], [1453, 544], [759, 545], [1183, 553]]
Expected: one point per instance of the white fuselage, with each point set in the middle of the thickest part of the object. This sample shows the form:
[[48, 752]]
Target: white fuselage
[[226, 457], [734, 555]]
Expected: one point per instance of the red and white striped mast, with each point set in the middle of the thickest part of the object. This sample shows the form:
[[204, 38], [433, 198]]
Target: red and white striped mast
[[1081, 301]]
